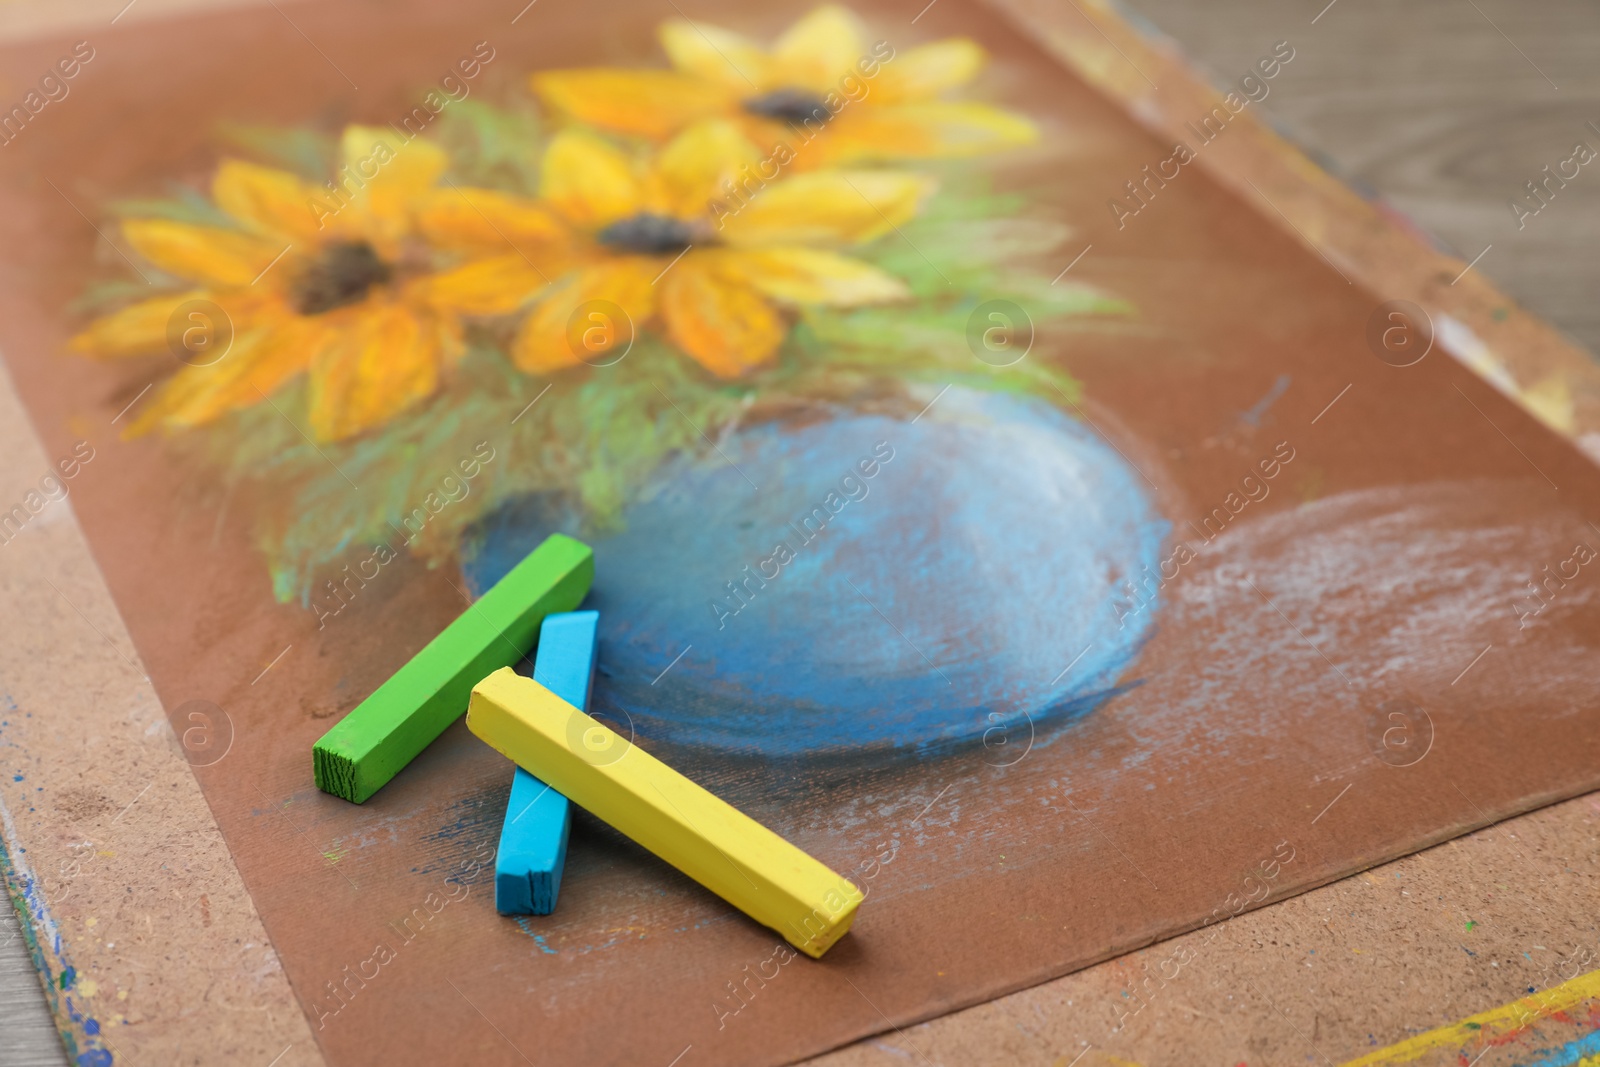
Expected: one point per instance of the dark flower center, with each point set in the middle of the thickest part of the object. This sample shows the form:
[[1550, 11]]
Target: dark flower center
[[648, 234], [340, 275], [788, 105]]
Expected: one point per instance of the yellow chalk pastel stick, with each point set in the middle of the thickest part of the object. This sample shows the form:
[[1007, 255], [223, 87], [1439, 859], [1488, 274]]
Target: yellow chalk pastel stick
[[708, 839]]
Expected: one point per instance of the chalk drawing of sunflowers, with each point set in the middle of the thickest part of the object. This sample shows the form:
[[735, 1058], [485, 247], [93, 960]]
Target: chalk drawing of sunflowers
[[393, 302], [642, 237], [824, 79], [338, 288]]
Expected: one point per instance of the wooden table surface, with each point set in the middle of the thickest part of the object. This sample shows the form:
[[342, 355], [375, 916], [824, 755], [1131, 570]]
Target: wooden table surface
[[1445, 108]]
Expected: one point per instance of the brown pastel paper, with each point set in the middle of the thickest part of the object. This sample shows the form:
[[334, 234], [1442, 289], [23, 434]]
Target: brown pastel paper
[[1376, 581]]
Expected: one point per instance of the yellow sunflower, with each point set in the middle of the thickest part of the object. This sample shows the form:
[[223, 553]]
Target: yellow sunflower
[[821, 78], [335, 281], [653, 238]]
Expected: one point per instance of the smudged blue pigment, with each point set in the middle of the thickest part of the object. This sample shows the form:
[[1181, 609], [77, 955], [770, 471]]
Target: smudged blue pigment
[[1254, 416], [1569, 1053], [538, 938], [991, 551]]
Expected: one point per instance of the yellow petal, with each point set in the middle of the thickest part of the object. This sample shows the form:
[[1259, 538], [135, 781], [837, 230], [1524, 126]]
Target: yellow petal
[[726, 326], [715, 54], [649, 103], [398, 165], [260, 361], [206, 254], [588, 314], [136, 330], [927, 70], [820, 48], [810, 276], [383, 176], [588, 180], [383, 360], [1551, 401], [270, 202], [690, 170], [917, 131], [485, 220], [826, 207], [491, 286]]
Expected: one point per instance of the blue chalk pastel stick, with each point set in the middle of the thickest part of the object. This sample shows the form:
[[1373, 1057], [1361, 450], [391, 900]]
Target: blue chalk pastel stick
[[533, 842]]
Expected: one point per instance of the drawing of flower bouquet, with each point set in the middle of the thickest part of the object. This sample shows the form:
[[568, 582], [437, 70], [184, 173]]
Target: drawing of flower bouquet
[[626, 266]]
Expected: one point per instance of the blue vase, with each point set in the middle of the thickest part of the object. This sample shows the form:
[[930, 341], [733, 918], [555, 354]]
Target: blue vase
[[864, 582]]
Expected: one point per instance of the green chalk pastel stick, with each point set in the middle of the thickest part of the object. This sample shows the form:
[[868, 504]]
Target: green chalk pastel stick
[[387, 730]]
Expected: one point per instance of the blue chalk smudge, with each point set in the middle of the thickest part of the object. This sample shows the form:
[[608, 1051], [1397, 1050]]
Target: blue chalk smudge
[[1569, 1053], [538, 939], [1254, 415]]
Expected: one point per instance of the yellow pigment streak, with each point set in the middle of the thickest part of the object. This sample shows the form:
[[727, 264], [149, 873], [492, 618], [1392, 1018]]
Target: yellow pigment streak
[[1487, 1025]]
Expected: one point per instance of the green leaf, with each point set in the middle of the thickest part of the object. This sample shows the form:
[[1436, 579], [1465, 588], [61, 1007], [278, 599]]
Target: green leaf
[[498, 147], [309, 153], [185, 204], [98, 298]]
